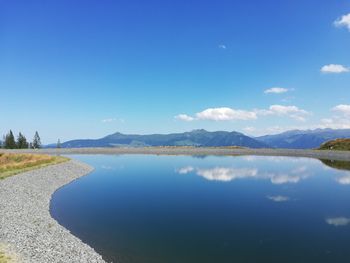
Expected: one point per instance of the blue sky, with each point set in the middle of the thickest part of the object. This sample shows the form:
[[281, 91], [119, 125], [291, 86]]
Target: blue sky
[[84, 69]]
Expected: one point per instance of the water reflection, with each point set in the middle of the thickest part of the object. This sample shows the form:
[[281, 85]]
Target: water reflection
[[345, 180], [276, 159], [185, 170], [340, 165], [278, 198], [147, 209], [285, 178], [338, 221], [224, 174], [227, 174]]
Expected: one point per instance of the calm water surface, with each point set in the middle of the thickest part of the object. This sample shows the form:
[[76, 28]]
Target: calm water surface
[[179, 209]]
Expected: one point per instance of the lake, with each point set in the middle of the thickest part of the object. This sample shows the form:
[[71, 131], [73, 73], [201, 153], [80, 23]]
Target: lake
[[179, 209]]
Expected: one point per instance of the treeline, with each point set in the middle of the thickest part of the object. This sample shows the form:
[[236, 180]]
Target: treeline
[[9, 141]]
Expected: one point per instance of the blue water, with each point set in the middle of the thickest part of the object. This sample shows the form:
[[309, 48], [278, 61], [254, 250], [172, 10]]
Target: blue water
[[179, 209]]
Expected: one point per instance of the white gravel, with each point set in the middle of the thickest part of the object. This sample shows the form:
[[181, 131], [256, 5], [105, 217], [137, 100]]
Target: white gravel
[[26, 225]]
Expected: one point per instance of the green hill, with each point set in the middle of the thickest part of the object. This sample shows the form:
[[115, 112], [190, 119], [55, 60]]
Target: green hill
[[195, 138], [338, 145]]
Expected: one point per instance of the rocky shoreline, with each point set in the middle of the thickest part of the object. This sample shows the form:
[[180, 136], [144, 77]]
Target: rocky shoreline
[[26, 226]]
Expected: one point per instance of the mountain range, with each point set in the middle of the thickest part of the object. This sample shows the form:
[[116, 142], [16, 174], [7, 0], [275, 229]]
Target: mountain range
[[295, 139], [303, 139], [201, 138]]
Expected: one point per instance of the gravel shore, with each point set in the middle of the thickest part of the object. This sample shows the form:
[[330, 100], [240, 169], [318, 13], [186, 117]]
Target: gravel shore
[[26, 226]]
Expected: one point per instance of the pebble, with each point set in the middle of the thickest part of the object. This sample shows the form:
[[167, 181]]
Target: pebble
[[26, 224]]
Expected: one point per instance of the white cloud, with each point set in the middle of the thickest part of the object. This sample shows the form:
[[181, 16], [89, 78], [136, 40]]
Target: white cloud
[[281, 110], [276, 90], [278, 198], [184, 117], [225, 114], [249, 129], [221, 46], [108, 120], [343, 21], [219, 114], [338, 221], [342, 108], [334, 68], [229, 114], [341, 119], [335, 122]]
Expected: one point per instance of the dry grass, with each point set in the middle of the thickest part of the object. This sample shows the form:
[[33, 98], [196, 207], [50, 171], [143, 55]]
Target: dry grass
[[338, 144], [8, 258], [5, 258], [12, 163]]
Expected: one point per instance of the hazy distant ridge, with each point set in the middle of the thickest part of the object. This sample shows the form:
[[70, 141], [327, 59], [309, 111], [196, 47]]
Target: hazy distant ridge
[[295, 139], [307, 139]]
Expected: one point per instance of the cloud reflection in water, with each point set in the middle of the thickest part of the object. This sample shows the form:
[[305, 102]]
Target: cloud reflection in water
[[345, 180], [338, 221], [278, 198], [227, 174]]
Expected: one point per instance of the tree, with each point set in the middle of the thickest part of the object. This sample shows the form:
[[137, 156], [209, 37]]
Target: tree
[[9, 142], [36, 141], [58, 144], [22, 142], [3, 141]]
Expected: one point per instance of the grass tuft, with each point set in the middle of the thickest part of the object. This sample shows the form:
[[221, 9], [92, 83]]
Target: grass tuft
[[13, 163]]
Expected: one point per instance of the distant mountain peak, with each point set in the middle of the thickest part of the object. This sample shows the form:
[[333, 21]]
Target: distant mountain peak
[[303, 139]]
